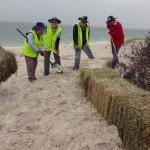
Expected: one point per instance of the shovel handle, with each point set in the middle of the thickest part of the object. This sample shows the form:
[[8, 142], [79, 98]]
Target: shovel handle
[[113, 45], [21, 33]]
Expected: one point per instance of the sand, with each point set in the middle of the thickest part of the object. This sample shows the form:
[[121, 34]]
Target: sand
[[53, 113]]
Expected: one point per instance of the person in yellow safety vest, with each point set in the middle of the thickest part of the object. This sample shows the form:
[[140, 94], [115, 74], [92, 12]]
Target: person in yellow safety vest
[[52, 39], [32, 47], [81, 34]]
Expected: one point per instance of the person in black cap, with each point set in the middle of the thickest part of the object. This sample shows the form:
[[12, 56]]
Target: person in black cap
[[52, 38], [81, 34], [33, 45], [117, 37]]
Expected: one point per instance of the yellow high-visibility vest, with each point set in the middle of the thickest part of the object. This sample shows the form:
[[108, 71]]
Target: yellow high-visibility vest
[[50, 38], [27, 51], [80, 35]]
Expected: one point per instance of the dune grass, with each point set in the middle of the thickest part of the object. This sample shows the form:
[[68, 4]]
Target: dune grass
[[133, 40]]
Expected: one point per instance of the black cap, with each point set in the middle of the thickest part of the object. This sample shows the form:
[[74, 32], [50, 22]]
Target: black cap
[[111, 18], [83, 18]]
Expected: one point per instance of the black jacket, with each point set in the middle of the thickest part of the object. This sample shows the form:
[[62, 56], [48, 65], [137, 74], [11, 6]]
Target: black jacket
[[75, 35]]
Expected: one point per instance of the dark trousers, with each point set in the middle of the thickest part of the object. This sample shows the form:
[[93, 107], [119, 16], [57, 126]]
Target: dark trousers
[[31, 66], [47, 64], [115, 60]]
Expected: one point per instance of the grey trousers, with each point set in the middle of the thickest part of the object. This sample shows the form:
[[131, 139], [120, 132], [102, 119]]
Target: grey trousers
[[31, 66], [88, 52], [47, 64]]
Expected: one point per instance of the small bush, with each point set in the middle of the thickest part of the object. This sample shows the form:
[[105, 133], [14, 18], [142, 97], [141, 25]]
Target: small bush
[[137, 70], [132, 40], [8, 64]]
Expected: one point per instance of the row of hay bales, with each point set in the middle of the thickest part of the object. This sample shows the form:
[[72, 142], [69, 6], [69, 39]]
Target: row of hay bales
[[121, 104], [8, 64]]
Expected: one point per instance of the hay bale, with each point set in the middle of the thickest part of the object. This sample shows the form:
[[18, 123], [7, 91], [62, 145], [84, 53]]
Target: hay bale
[[8, 64], [121, 103]]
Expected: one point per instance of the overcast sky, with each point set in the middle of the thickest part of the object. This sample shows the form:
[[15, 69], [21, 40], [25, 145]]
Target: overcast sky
[[131, 13]]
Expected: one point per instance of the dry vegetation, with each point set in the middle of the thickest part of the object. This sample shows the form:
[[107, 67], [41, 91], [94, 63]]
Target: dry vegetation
[[121, 103], [8, 64], [137, 69]]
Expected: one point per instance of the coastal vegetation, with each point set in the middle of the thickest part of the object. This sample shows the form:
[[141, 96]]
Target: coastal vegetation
[[120, 103], [136, 68], [8, 64], [122, 95], [133, 40]]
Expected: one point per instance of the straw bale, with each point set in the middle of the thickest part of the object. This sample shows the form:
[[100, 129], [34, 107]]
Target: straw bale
[[8, 64], [121, 103]]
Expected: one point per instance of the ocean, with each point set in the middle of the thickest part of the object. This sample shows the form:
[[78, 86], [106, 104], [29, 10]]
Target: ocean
[[10, 37]]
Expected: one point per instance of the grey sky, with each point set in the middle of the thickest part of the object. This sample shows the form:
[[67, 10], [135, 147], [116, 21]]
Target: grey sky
[[131, 13]]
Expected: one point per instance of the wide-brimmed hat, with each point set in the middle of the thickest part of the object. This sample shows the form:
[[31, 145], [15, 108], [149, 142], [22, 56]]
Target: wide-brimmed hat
[[40, 25], [111, 18], [54, 18], [83, 18]]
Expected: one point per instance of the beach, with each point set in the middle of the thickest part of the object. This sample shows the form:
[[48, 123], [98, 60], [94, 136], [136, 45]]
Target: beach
[[53, 113]]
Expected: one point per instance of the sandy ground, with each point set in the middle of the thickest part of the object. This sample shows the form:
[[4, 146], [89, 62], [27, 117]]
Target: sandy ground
[[53, 113]]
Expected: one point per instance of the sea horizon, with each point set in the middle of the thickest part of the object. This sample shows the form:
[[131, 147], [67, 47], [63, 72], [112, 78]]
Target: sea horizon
[[33, 23], [10, 37]]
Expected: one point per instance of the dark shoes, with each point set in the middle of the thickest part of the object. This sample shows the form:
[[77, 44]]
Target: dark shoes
[[75, 69], [32, 79], [46, 74]]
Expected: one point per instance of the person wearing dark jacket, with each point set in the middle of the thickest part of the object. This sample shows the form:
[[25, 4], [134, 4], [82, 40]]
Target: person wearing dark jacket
[[117, 36], [81, 34], [52, 39]]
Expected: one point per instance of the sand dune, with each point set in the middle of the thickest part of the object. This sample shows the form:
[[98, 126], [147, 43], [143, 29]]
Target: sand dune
[[53, 113]]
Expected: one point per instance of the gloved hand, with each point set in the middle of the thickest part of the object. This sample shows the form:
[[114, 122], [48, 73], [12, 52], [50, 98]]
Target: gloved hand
[[108, 27], [57, 52], [41, 52], [77, 48], [109, 32]]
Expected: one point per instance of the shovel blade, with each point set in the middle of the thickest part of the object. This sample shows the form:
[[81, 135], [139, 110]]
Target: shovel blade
[[57, 67]]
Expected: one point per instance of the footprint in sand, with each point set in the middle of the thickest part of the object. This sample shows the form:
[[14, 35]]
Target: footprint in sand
[[32, 128], [85, 148], [48, 111], [105, 146], [1, 127]]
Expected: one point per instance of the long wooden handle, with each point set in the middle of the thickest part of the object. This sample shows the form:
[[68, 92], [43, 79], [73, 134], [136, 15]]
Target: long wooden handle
[[21, 33], [43, 54]]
